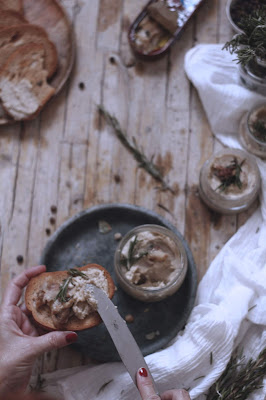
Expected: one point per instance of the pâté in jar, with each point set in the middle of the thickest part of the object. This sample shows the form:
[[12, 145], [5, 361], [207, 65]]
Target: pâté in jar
[[150, 263], [252, 131], [229, 181]]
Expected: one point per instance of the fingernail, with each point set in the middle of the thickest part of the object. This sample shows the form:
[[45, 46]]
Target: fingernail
[[143, 372], [71, 337]]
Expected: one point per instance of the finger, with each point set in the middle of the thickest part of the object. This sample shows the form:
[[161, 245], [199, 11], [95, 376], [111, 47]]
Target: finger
[[27, 328], [15, 287], [176, 394], [51, 341], [25, 310], [145, 385]]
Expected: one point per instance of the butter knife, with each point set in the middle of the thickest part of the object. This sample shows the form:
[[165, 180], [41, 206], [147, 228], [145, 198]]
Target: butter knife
[[122, 337]]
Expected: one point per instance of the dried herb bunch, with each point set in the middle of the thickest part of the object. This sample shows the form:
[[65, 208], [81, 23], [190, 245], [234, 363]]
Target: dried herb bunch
[[229, 175], [62, 294], [250, 46], [135, 150], [239, 379]]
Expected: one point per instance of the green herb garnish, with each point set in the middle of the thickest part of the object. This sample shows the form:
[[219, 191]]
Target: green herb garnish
[[229, 175], [251, 44], [131, 257], [239, 379], [62, 294]]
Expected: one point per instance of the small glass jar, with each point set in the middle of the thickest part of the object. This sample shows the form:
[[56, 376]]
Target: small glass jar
[[150, 263], [250, 133], [229, 6], [251, 80], [229, 181]]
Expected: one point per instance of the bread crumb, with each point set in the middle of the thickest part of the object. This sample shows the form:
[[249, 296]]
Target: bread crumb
[[129, 318], [117, 236], [152, 335]]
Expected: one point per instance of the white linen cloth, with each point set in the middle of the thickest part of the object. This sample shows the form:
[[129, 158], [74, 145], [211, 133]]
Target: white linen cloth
[[231, 298]]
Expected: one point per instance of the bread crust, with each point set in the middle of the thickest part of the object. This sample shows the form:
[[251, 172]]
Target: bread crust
[[16, 5], [10, 18], [43, 320]]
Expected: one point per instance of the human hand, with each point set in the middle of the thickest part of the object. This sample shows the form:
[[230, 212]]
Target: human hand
[[20, 343], [147, 391]]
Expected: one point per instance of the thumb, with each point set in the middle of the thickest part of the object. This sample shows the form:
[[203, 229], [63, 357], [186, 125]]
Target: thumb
[[145, 385], [51, 341]]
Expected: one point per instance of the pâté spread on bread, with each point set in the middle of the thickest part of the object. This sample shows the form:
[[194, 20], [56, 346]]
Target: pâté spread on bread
[[61, 300]]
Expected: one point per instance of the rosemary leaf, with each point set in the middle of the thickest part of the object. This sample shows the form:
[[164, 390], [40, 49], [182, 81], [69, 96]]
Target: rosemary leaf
[[134, 149], [62, 294], [131, 252], [251, 43], [239, 379], [76, 272], [229, 175]]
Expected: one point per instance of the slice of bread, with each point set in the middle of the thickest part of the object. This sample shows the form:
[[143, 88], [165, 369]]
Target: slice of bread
[[15, 36], [16, 5], [54, 309], [23, 82], [10, 18]]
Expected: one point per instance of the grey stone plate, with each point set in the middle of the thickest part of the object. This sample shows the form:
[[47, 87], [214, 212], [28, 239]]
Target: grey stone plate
[[78, 242]]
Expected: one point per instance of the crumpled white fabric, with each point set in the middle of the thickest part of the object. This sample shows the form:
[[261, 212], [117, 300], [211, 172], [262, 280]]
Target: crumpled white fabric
[[231, 299]]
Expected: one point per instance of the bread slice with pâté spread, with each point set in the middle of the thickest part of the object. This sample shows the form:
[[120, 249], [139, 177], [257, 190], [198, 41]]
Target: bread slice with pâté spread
[[23, 83], [60, 300], [16, 5]]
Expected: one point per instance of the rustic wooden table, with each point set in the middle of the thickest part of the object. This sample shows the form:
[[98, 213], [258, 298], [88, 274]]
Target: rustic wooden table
[[69, 159]]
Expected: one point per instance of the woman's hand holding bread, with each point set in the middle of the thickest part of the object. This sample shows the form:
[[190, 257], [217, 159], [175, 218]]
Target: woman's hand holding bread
[[20, 343]]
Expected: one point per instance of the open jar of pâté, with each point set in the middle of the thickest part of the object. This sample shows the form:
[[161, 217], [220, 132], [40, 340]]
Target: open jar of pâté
[[252, 131], [150, 263], [229, 181]]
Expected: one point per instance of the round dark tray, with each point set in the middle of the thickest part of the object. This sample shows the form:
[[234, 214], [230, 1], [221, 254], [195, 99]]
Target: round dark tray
[[78, 242]]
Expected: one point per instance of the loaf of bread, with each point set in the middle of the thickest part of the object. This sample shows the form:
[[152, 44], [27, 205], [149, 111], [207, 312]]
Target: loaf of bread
[[10, 18], [16, 5], [61, 301], [15, 36], [23, 82]]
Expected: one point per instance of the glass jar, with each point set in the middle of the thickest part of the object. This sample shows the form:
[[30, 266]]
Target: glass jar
[[229, 6], [229, 181], [250, 133], [253, 77], [150, 263]]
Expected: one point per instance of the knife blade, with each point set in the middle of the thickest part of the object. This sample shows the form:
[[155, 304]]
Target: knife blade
[[122, 337]]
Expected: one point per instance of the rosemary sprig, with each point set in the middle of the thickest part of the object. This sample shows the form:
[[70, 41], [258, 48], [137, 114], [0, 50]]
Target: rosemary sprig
[[133, 148], [239, 379], [131, 252], [62, 294], [229, 175], [131, 257], [251, 44]]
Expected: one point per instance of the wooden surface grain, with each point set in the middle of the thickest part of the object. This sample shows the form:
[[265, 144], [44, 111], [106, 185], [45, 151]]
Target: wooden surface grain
[[70, 159]]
